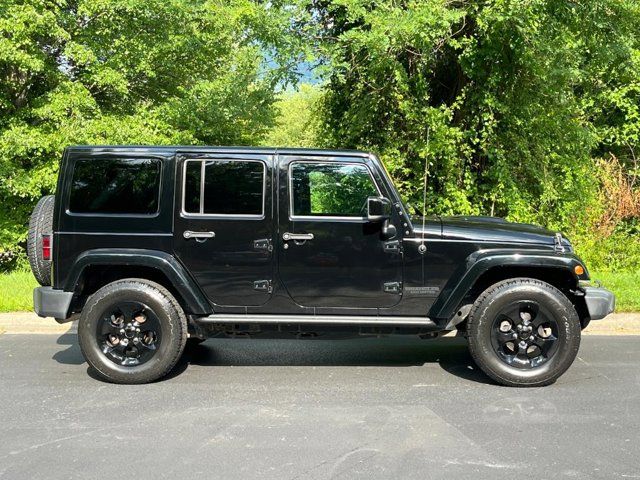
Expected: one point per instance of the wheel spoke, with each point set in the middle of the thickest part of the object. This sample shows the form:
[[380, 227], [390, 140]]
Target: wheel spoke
[[146, 342], [544, 344], [504, 337], [109, 327], [128, 361], [113, 350], [129, 309], [539, 320], [512, 315]]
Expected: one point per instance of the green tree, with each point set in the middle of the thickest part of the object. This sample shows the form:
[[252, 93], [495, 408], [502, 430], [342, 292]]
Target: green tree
[[128, 71], [298, 119], [517, 98]]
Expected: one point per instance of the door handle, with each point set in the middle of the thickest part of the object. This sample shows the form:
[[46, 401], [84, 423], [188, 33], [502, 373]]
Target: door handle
[[199, 236], [297, 236]]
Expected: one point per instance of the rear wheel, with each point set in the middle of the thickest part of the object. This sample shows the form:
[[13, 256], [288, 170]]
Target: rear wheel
[[40, 224], [132, 331], [523, 332]]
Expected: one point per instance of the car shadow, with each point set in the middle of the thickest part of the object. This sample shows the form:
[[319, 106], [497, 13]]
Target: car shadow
[[450, 353], [72, 354]]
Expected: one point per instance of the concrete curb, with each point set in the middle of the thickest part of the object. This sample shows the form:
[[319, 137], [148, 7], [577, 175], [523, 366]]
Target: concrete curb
[[28, 322]]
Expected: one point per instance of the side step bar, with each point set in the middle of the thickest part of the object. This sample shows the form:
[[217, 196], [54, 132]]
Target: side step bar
[[320, 320]]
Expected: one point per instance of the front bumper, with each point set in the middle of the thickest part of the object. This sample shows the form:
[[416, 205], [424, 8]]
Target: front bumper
[[50, 302], [600, 302]]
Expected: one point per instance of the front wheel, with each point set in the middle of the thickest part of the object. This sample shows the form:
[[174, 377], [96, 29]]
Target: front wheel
[[523, 332], [132, 331]]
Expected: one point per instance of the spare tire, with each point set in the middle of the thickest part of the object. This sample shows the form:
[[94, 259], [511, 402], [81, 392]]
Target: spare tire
[[41, 223]]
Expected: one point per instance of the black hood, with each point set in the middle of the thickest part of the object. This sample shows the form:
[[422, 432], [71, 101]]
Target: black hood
[[487, 229], [497, 230]]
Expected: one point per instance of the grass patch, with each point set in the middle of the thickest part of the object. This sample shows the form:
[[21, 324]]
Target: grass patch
[[625, 286], [16, 291]]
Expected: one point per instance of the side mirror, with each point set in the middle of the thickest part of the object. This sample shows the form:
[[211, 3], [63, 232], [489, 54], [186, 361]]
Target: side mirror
[[378, 209]]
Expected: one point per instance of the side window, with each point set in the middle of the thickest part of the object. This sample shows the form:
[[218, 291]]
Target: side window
[[224, 187], [330, 189], [124, 186]]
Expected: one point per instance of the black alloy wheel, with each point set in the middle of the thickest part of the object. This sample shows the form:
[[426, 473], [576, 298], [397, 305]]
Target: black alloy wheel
[[523, 332], [132, 331], [129, 334], [524, 335]]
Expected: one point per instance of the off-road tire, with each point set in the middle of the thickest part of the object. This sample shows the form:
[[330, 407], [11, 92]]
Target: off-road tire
[[173, 326], [40, 223], [481, 320]]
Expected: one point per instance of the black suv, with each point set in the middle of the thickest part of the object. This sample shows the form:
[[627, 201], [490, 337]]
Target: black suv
[[151, 247]]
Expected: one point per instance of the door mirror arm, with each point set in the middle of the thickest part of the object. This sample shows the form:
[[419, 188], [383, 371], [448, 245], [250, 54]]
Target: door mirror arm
[[388, 230]]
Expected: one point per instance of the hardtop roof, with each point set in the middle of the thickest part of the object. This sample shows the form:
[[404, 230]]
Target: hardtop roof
[[168, 149]]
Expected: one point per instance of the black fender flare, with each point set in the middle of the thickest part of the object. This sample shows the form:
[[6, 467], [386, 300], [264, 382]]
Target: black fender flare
[[195, 300], [480, 262]]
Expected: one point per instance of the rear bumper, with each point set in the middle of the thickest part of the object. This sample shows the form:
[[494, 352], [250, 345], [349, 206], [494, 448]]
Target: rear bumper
[[50, 302], [600, 302]]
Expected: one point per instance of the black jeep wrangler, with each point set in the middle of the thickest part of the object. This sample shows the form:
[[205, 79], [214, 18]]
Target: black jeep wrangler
[[151, 247]]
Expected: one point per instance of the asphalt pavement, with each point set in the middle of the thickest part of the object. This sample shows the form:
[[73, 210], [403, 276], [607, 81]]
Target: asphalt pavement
[[318, 409]]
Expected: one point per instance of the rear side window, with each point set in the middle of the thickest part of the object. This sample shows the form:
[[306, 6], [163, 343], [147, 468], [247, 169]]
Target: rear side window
[[224, 187], [115, 186]]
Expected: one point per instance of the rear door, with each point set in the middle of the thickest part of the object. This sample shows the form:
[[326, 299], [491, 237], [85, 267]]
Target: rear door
[[223, 225]]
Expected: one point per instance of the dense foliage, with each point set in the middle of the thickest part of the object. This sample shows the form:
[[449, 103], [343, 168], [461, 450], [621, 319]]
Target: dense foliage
[[524, 109], [127, 72], [298, 118]]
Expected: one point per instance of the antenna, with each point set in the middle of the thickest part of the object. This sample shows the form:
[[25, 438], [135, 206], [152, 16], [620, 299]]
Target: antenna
[[423, 248]]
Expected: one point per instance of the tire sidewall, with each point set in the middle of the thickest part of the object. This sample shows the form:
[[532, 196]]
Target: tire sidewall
[[40, 223], [484, 314], [171, 341]]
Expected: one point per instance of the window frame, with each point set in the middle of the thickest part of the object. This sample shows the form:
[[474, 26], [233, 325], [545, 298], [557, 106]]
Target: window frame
[[292, 216], [89, 158], [244, 216]]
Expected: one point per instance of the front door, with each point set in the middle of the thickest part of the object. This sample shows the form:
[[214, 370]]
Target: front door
[[223, 225], [329, 254]]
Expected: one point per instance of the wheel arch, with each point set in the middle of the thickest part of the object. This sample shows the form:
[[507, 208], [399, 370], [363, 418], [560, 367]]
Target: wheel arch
[[95, 268], [484, 269]]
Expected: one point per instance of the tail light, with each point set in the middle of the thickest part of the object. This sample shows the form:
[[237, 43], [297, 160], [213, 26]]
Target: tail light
[[46, 247]]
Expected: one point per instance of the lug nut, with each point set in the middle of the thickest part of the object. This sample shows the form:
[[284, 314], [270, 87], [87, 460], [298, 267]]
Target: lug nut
[[125, 342]]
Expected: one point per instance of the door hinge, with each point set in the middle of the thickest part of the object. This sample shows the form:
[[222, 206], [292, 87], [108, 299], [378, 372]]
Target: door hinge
[[263, 244], [263, 286], [393, 287], [392, 246]]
